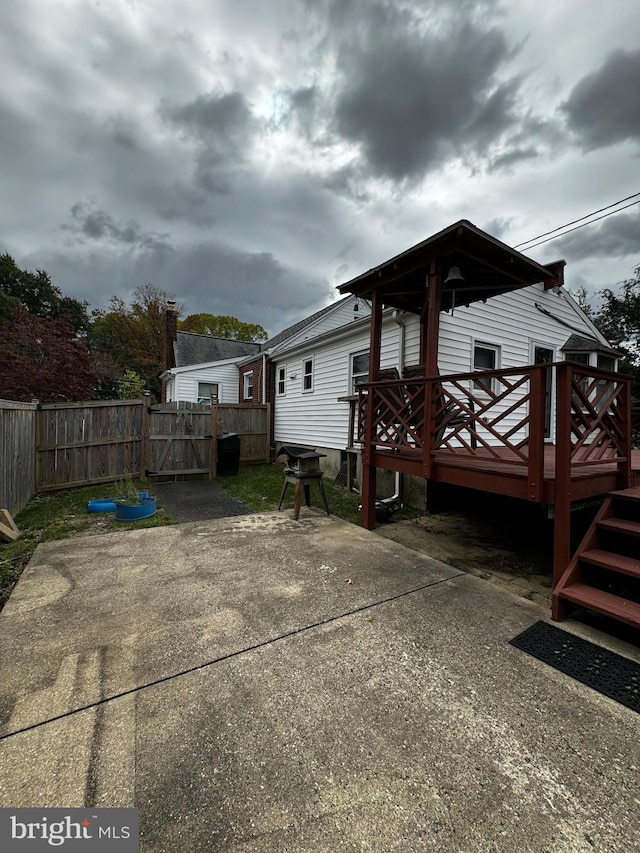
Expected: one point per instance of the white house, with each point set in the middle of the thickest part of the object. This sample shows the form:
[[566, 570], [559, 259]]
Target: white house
[[199, 367], [522, 327], [308, 369]]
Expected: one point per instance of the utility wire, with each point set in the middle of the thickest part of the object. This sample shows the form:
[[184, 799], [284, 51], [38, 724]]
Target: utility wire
[[604, 216], [573, 222]]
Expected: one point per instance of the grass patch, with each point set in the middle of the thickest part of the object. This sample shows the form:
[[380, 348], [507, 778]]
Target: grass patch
[[59, 515], [259, 487]]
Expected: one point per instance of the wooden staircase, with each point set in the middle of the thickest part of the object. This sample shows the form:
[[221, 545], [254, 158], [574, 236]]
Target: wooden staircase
[[604, 574]]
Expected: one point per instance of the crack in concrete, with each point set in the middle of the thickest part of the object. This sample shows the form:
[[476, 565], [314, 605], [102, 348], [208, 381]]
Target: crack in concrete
[[230, 655]]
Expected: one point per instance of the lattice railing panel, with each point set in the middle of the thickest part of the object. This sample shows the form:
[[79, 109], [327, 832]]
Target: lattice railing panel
[[598, 418], [492, 418]]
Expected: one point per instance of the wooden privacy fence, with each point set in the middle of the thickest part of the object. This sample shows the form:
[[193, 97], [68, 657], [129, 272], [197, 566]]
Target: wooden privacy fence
[[78, 444], [251, 423], [17, 440], [82, 443]]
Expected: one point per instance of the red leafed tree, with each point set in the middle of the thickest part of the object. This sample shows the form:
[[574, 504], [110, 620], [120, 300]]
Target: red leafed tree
[[43, 359]]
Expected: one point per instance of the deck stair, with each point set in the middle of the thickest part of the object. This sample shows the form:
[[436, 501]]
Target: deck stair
[[604, 574]]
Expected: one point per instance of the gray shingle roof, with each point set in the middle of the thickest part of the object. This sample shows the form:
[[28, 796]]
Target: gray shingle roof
[[290, 331], [190, 348], [581, 343]]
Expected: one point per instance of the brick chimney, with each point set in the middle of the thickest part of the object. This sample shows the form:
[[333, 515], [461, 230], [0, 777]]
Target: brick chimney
[[169, 335]]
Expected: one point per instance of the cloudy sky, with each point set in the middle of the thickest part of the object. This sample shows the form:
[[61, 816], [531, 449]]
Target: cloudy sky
[[249, 156]]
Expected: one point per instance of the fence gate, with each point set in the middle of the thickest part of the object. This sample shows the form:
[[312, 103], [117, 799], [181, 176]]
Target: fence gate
[[179, 440]]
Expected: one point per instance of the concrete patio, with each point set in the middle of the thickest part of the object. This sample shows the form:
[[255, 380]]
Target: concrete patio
[[259, 684]]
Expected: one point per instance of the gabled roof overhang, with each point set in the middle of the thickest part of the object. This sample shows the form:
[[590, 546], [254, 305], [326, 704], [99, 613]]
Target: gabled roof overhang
[[488, 266]]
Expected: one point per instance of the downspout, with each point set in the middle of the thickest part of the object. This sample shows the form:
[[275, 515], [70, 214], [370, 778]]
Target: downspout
[[402, 334], [264, 378]]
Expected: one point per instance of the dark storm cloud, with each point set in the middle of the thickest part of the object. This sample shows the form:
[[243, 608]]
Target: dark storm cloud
[[254, 286], [510, 158], [303, 105], [92, 224], [604, 107], [498, 227], [220, 121], [222, 127], [616, 236], [413, 95]]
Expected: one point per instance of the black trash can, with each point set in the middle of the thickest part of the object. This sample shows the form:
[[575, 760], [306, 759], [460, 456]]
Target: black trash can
[[228, 454]]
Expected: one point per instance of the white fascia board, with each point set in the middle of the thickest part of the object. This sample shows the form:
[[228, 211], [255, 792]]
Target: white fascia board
[[596, 331], [247, 359], [206, 364]]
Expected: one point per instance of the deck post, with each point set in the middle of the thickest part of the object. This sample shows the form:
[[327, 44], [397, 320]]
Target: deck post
[[535, 471], [368, 462], [624, 470], [562, 494], [430, 348]]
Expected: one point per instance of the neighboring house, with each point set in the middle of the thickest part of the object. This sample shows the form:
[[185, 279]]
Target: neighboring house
[[217, 361], [238, 372]]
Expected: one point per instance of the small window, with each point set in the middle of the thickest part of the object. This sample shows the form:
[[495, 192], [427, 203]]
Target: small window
[[307, 374], [248, 385], [580, 357], [282, 379], [359, 370], [207, 390], [606, 362], [485, 357]]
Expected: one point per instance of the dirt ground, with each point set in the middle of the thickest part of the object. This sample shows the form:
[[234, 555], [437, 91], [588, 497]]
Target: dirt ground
[[506, 545]]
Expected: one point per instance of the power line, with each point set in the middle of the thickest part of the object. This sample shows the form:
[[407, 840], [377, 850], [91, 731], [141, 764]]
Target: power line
[[604, 216], [573, 222]]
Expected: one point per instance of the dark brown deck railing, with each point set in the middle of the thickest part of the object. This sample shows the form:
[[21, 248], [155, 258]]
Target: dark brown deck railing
[[500, 415]]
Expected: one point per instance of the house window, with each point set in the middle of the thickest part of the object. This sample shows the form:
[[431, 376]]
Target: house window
[[580, 357], [248, 385], [207, 390], [606, 362], [307, 374], [359, 370], [485, 357], [282, 378]]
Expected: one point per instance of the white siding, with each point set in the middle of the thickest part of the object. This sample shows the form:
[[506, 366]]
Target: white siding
[[511, 322], [317, 418], [185, 384]]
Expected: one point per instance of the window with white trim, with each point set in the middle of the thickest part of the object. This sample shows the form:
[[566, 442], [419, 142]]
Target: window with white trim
[[207, 390], [248, 385], [485, 357], [359, 369], [307, 375], [281, 385]]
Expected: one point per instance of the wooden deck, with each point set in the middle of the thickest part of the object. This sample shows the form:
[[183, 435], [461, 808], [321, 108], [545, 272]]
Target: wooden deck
[[486, 431], [507, 476]]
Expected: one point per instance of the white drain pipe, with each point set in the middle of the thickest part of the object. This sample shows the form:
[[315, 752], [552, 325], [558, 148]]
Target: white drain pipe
[[402, 334]]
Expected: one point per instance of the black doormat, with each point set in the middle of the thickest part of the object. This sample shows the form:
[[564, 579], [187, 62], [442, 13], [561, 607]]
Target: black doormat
[[607, 672]]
